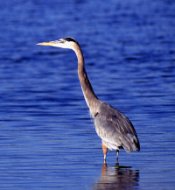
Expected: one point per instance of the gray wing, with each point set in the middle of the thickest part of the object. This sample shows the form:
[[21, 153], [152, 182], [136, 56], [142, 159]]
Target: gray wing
[[115, 129]]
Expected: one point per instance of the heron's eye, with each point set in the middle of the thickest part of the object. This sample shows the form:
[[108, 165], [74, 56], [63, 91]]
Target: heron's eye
[[60, 41]]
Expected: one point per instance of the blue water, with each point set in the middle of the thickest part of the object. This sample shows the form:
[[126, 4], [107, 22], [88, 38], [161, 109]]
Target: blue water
[[47, 140]]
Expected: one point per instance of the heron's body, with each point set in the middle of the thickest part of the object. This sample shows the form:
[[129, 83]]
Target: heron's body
[[115, 129]]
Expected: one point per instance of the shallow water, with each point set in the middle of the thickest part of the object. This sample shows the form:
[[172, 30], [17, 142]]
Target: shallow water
[[47, 140]]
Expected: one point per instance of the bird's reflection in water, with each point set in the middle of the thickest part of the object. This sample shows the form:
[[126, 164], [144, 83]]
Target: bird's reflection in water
[[117, 178]]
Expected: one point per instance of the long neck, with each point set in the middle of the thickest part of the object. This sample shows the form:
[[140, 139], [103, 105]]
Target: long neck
[[88, 92]]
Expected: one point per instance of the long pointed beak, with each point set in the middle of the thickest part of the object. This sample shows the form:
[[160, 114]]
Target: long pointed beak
[[51, 43]]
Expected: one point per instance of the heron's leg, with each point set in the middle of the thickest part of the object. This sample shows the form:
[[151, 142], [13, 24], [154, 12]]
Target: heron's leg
[[117, 152], [105, 150], [104, 169]]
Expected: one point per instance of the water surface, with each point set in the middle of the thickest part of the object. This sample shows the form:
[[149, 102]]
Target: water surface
[[47, 140]]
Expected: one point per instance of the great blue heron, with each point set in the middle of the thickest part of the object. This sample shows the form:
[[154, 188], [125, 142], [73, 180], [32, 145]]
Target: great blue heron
[[115, 129]]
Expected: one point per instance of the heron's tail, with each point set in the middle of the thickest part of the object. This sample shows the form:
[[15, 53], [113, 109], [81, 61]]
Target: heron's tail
[[131, 143]]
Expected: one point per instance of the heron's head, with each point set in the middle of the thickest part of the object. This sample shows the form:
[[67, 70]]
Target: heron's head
[[68, 43]]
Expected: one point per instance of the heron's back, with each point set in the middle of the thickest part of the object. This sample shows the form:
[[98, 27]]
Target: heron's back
[[115, 129]]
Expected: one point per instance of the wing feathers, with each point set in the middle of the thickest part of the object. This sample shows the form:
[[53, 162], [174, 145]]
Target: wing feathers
[[115, 129]]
